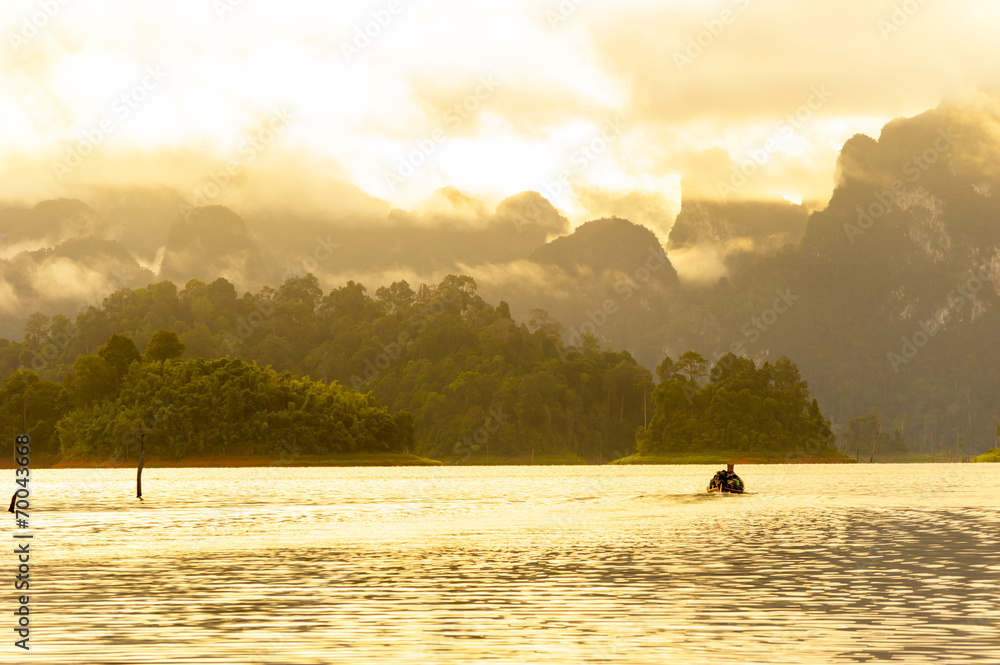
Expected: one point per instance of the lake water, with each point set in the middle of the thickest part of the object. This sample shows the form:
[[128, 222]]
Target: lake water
[[816, 564]]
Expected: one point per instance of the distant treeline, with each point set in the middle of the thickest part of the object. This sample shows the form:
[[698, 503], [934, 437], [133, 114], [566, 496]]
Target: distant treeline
[[458, 378], [192, 407], [741, 408], [218, 375]]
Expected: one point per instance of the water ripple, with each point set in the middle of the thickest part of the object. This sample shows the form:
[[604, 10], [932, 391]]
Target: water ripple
[[516, 565]]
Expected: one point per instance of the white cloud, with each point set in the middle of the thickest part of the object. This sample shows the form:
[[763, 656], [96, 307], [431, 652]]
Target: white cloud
[[559, 84]]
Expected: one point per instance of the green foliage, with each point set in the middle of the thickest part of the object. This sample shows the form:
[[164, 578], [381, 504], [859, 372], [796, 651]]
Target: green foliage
[[864, 431], [476, 382], [120, 352], [163, 345], [227, 407], [31, 405], [743, 408], [891, 306], [460, 378], [93, 379]]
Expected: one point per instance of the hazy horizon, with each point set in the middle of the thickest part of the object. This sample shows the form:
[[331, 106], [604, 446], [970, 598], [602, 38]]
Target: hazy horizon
[[582, 102], [433, 322]]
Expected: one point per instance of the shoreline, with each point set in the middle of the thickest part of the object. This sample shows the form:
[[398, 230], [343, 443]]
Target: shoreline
[[737, 459], [407, 459], [229, 461]]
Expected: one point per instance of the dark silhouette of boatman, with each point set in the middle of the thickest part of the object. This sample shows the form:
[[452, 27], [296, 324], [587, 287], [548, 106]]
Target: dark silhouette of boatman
[[727, 480], [13, 500]]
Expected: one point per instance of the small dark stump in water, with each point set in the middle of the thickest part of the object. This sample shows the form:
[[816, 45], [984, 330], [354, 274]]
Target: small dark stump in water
[[142, 460]]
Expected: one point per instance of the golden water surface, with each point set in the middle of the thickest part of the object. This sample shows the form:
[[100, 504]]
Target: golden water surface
[[599, 564]]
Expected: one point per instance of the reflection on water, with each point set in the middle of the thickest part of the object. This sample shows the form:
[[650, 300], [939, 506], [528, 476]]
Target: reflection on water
[[816, 564]]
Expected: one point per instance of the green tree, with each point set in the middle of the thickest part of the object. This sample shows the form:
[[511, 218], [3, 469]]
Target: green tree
[[742, 409], [36, 330], [692, 364], [93, 378], [120, 352], [667, 370], [163, 345], [13, 400], [397, 296]]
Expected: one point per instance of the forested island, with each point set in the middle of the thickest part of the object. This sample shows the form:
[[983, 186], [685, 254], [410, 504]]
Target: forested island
[[436, 371], [742, 412], [192, 408], [299, 376]]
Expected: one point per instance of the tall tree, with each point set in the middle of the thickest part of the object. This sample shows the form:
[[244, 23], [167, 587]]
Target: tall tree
[[692, 364], [163, 345], [120, 352]]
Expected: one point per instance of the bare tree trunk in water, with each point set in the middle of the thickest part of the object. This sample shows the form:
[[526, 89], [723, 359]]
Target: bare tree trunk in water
[[142, 460]]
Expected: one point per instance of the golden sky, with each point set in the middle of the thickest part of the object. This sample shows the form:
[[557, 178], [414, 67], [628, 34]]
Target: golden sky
[[584, 101]]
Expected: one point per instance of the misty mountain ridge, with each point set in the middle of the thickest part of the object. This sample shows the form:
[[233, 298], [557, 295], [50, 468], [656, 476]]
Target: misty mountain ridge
[[904, 257]]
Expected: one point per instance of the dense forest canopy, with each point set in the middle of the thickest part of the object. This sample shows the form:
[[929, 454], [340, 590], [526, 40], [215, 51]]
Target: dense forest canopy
[[192, 407], [475, 382], [887, 295], [736, 407]]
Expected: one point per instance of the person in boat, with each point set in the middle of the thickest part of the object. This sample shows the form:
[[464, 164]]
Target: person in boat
[[726, 481], [717, 480]]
